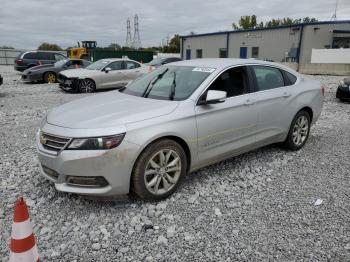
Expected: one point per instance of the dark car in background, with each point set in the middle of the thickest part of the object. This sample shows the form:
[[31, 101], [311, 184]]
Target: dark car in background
[[343, 91], [29, 59], [1, 80], [157, 62], [48, 73]]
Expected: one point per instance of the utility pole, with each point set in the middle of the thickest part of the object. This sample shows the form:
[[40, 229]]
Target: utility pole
[[137, 40], [334, 16], [128, 33]]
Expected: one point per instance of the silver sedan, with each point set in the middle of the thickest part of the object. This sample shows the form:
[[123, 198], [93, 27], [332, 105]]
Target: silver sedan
[[103, 74], [180, 117]]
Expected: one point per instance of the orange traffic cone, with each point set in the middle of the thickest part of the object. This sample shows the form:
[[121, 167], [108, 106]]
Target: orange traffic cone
[[22, 246]]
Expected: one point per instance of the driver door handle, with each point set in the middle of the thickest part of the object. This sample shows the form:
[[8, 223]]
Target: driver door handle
[[286, 94], [249, 102]]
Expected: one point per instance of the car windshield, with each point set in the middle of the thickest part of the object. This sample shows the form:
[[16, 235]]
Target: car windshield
[[98, 65], [169, 82], [61, 62]]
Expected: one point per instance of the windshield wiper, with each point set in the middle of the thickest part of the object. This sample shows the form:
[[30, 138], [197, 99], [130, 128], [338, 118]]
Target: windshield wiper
[[172, 89], [152, 83]]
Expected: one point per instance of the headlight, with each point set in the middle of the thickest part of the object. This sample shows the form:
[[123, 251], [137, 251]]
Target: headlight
[[96, 143]]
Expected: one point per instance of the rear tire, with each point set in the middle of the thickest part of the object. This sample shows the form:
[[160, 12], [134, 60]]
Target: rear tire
[[50, 77], [86, 86], [159, 170], [299, 131]]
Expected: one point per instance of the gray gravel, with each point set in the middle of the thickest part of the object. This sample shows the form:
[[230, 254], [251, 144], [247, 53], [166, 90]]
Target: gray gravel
[[261, 206]]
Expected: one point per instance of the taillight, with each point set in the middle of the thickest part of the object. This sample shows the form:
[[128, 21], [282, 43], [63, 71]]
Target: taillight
[[323, 89], [19, 61]]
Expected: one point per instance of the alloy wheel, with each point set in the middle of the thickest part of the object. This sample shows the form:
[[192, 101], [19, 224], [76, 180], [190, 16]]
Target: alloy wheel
[[300, 130], [51, 78], [86, 86], [162, 171]]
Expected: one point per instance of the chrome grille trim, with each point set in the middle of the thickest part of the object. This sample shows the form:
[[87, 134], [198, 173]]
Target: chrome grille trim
[[52, 142]]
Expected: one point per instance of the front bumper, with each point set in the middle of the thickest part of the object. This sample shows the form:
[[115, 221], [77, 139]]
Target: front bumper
[[114, 165], [31, 77], [343, 92], [68, 84]]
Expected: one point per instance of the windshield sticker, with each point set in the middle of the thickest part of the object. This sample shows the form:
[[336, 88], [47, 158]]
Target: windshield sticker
[[204, 69]]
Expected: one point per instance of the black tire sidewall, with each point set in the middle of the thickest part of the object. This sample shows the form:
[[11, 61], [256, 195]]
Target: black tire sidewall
[[137, 181], [289, 143]]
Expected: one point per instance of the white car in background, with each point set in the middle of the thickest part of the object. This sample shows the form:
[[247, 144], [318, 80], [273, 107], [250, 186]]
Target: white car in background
[[103, 74]]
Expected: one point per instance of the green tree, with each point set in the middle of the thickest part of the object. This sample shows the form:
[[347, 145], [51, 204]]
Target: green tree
[[250, 22], [247, 22], [49, 47], [173, 45], [113, 46]]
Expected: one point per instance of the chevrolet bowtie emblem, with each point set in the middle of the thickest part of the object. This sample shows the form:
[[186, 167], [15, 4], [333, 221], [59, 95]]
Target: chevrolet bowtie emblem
[[43, 140]]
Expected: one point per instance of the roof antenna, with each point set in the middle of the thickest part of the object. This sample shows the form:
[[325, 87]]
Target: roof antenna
[[334, 16]]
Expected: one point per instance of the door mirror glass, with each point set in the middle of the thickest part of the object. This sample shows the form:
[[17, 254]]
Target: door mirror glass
[[107, 69], [214, 97]]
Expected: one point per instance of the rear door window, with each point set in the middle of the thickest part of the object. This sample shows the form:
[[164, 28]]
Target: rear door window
[[45, 56], [268, 77], [31, 55], [131, 65]]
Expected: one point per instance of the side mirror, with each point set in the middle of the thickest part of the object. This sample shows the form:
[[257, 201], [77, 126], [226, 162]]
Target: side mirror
[[107, 69], [214, 97]]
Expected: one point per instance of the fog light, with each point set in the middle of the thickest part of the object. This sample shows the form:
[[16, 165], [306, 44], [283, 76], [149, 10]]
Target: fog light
[[87, 181], [50, 172]]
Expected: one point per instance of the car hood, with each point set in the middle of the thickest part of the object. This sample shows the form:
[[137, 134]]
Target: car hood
[[79, 72], [110, 109], [37, 68]]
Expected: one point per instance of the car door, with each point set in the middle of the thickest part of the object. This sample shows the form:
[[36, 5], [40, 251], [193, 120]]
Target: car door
[[114, 77], [228, 127], [45, 58], [132, 70], [273, 102]]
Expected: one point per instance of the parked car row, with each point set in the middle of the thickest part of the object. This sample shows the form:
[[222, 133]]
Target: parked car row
[[49, 72]]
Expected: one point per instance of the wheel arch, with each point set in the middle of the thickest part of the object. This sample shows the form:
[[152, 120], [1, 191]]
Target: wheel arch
[[309, 111], [175, 138]]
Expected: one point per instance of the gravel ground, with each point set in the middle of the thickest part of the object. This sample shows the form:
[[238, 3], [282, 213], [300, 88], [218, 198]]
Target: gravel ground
[[261, 206]]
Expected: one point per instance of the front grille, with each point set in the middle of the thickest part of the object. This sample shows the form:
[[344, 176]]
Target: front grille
[[52, 142]]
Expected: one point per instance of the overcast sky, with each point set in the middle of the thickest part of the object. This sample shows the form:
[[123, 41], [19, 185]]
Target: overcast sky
[[27, 23]]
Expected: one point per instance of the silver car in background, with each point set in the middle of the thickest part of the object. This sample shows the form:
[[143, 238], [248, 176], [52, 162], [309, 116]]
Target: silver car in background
[[103, 74], [180, 117]]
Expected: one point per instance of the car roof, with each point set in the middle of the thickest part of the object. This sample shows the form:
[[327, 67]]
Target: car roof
[[117, 59], [222, 63]]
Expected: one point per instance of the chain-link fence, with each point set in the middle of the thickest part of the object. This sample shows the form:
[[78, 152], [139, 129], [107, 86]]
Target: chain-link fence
[[7, 56]]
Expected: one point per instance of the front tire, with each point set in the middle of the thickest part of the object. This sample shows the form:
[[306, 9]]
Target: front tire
[[159, 170], [86, 86], [299, 131]]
